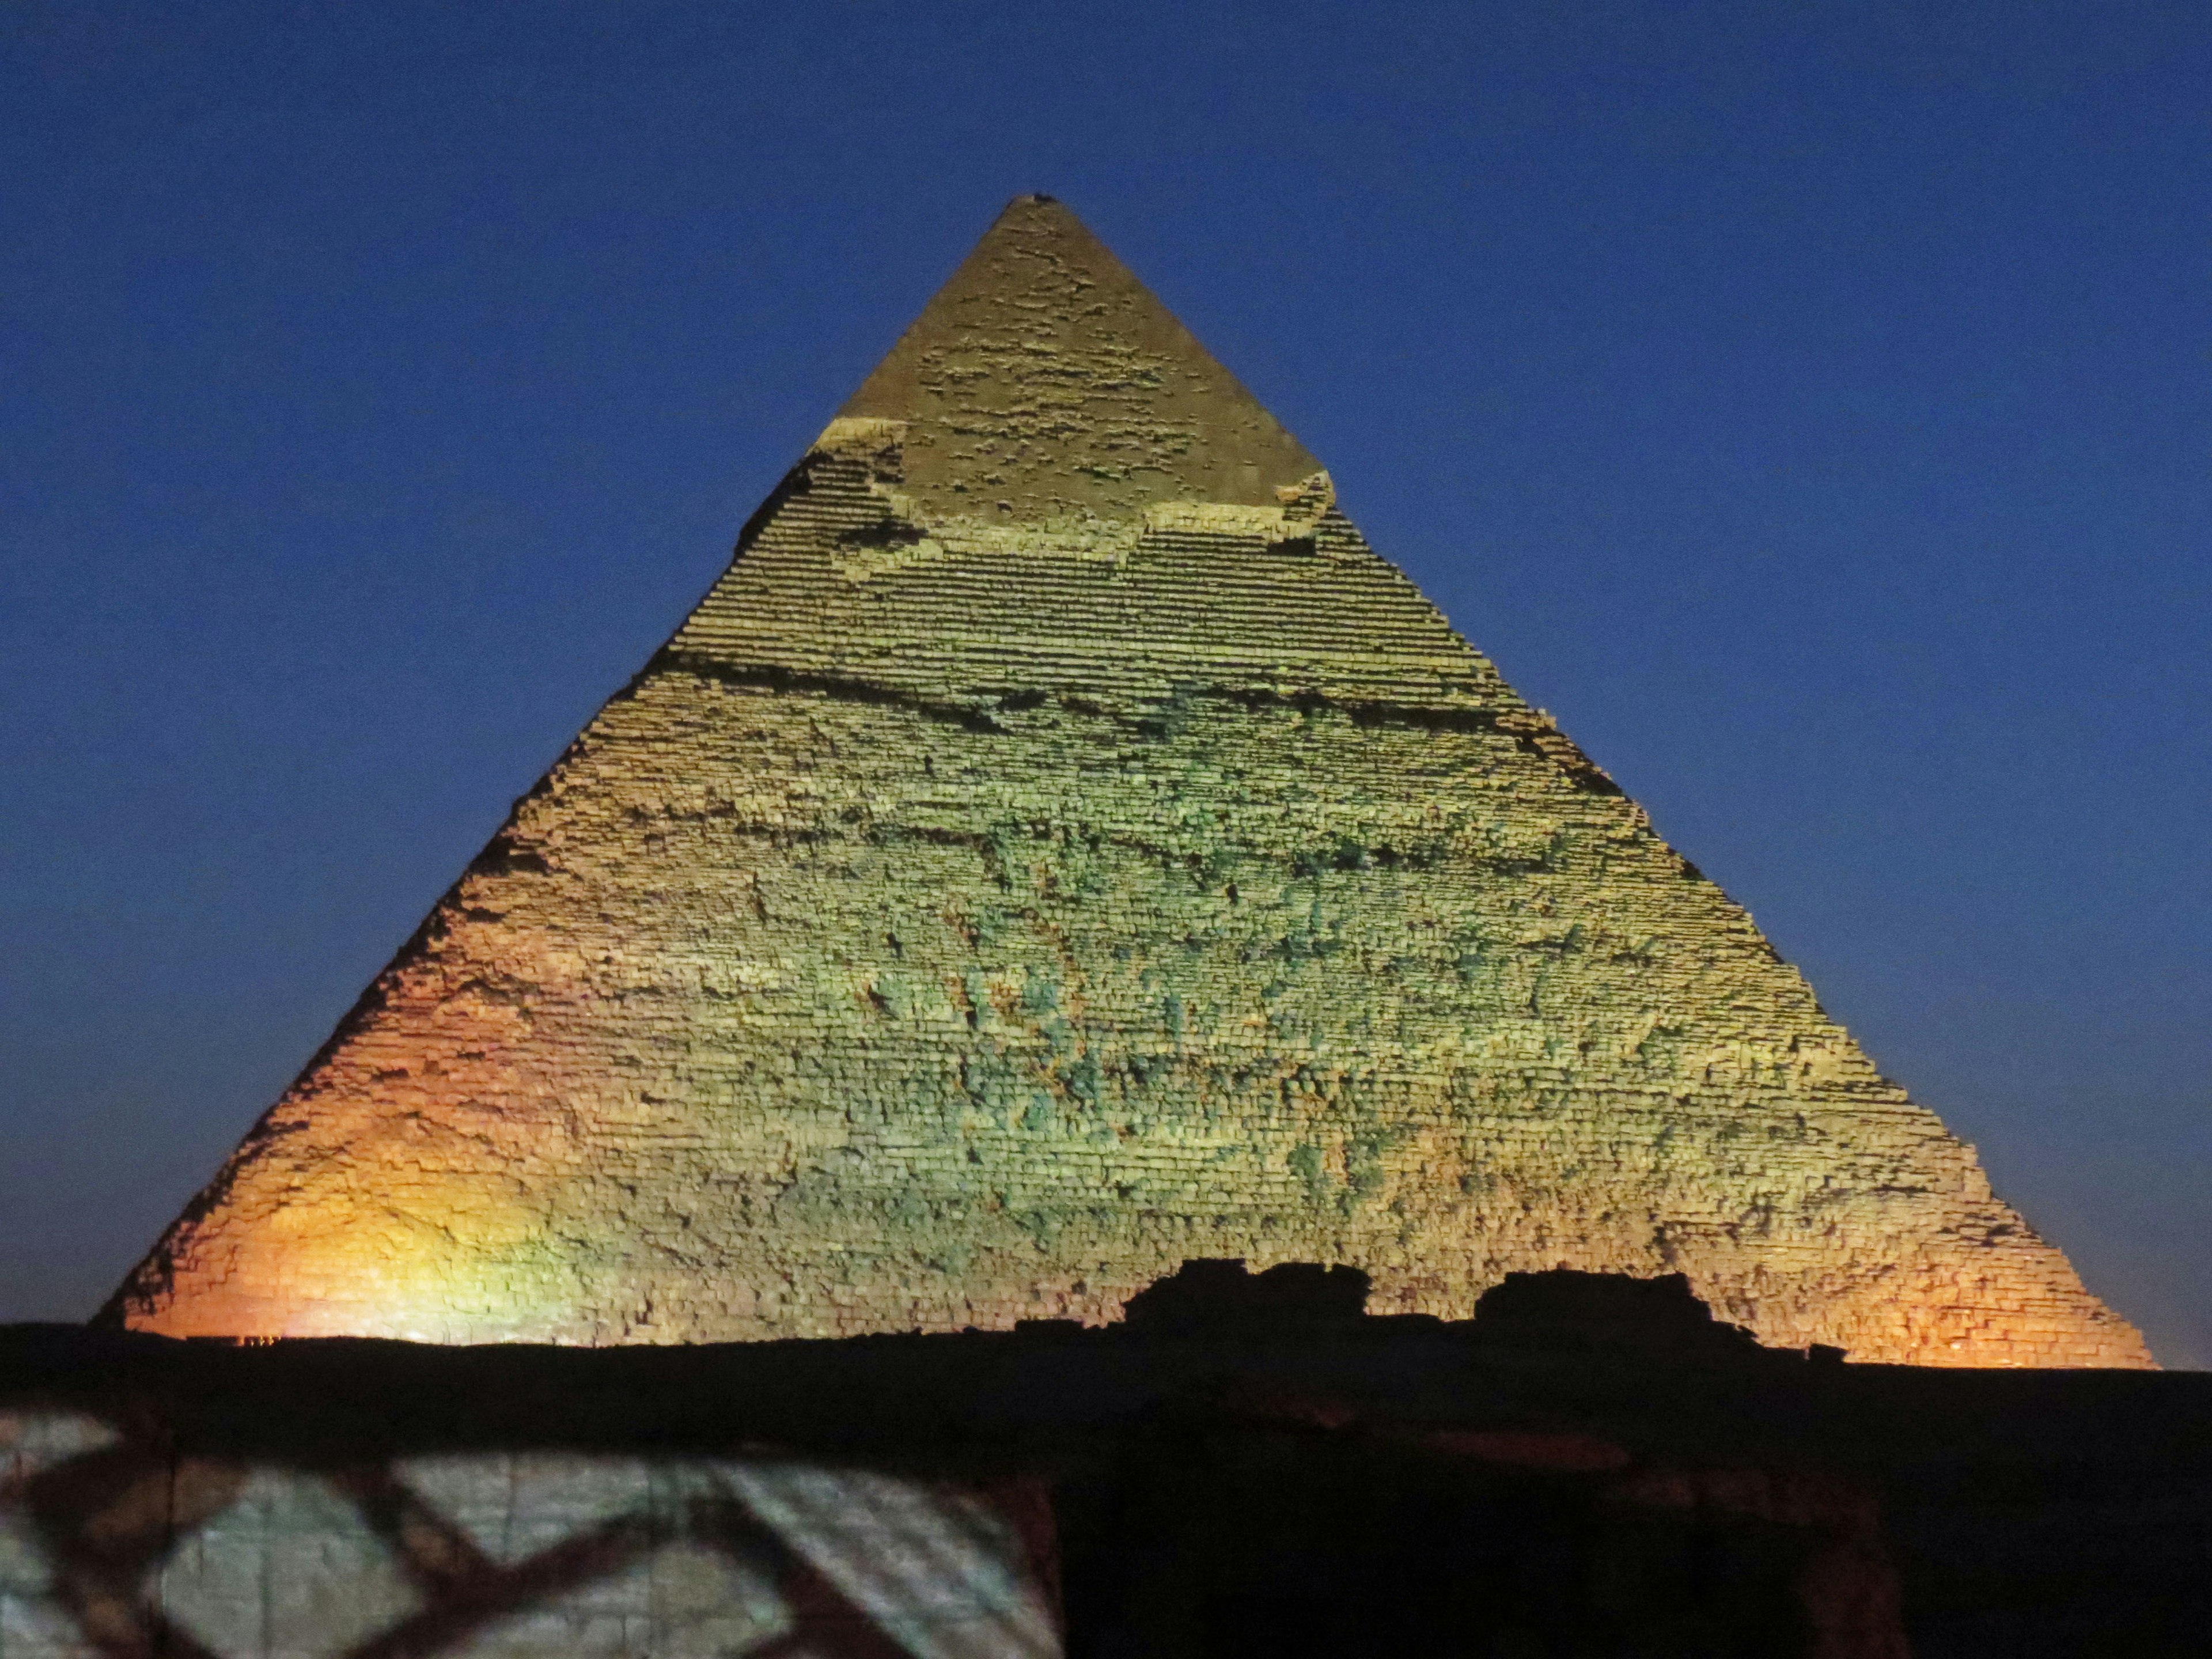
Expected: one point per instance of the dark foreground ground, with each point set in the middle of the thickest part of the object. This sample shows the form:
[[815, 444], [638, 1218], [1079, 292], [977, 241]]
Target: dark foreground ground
[[1239, 1473]]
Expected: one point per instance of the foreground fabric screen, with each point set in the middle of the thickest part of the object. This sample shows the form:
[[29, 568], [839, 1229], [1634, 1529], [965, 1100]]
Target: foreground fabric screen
[[111, 1548]]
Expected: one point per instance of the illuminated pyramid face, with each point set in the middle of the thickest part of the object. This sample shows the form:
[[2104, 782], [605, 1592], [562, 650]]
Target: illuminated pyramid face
[[1057, 848]]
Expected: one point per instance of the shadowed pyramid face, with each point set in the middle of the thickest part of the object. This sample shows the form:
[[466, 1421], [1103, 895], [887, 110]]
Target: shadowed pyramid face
[[1057, 848]]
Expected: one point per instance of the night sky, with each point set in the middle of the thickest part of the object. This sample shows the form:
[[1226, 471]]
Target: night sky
[[1811, 406]]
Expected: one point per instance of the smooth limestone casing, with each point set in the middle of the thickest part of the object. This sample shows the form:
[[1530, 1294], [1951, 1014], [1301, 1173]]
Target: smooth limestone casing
[[1024, 874]]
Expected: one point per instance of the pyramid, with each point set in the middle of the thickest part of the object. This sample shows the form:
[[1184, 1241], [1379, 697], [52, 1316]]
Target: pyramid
[[1057, 848]]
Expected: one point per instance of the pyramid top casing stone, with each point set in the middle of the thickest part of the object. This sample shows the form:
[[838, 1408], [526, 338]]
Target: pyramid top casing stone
[[1044, 380]]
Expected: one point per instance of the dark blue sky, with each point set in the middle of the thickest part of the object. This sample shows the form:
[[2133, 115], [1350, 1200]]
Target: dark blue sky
[[1810, 405]]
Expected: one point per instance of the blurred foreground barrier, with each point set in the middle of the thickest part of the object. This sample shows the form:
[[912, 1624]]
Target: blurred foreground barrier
[[114, 1547]]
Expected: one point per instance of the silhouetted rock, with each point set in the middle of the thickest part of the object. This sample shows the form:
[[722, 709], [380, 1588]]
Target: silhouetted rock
[[1212, 1296], [1564, 1308]]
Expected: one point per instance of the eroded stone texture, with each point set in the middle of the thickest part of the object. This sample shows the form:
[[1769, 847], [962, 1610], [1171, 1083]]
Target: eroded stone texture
[[1057, 848]]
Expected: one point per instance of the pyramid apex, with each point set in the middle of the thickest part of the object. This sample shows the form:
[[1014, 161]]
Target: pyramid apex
[[1034, 202], [1045, 380]]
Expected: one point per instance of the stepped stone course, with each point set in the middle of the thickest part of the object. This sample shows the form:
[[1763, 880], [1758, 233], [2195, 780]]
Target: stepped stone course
[[1057, 848]]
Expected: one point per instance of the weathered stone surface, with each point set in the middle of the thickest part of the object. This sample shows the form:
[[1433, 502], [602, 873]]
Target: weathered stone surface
[[1057, 848]]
